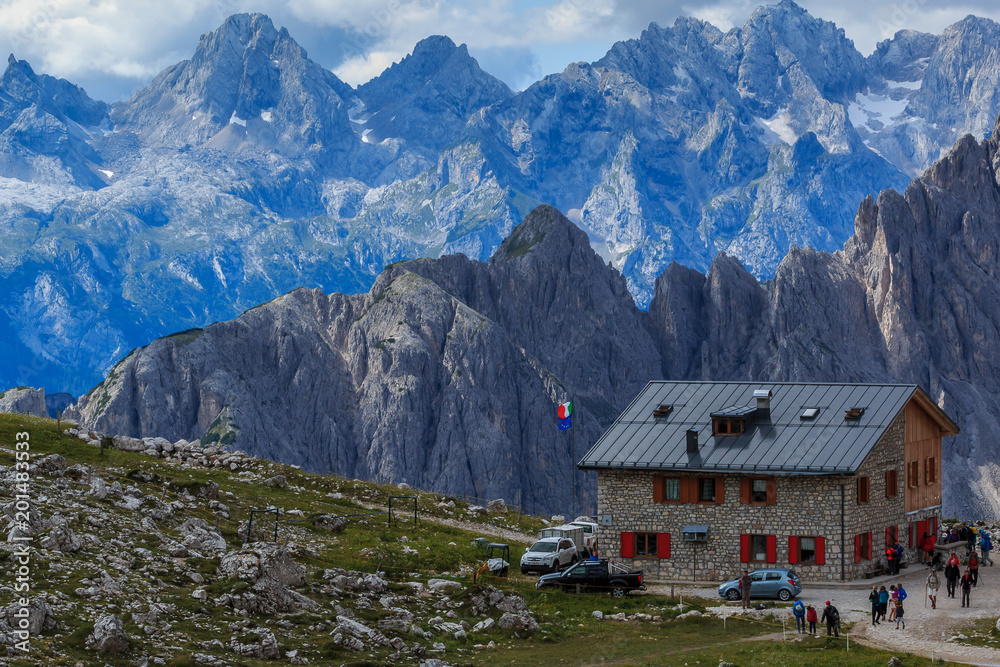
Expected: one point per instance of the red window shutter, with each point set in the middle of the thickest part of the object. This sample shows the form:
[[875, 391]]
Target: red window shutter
[[659, 490], [628, 546], [720, 489], [772, 549], [745, 490], [857, 548], [744, 548], [663, 545], [934, 527], [793, 550], [821, 551], [772, 492], [870, 541], [921, 529], [888, 537]]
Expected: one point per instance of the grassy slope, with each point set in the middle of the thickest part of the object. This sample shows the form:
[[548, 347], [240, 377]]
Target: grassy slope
[[569, 633]]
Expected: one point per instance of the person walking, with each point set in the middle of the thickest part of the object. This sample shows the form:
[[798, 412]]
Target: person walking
[[974, 568], [745, 583], [883, 602], [899, 614], [966, 585], [952, 571], [873, 599], [893, 597], [832, 617], [811, 617], [933, 584], [799, 612], [986, 546]]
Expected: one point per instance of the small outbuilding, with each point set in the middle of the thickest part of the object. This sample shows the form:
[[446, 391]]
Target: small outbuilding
[[706, 479]]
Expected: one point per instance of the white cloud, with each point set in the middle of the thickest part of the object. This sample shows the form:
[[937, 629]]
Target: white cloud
[[116, 45]]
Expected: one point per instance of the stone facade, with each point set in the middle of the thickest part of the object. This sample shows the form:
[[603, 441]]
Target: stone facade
[[805, 506]]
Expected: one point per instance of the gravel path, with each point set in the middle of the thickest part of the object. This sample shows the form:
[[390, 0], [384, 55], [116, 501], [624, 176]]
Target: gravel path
[[928, 631]]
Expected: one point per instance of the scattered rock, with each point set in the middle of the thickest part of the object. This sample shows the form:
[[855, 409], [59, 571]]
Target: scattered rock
[[598, 614], [497, 506], [98, 489]]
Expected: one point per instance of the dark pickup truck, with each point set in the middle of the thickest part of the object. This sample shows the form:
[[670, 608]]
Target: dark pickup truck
[[597, 576]]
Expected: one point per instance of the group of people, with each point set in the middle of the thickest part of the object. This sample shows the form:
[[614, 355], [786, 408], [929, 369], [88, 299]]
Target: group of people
[[804, 613], [953, 575], [887, 605]]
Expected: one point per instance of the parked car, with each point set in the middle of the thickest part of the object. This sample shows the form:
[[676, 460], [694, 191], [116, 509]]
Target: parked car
[[569, 531], [771, 583], [598, 576], [549, 554]]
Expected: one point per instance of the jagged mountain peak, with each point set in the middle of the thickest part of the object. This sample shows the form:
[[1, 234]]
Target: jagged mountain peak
[[427, 97], [247, 80], [58, 97], [543, 231]]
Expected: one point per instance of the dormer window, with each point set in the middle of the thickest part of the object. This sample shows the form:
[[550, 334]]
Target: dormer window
[[733, 420], [727, 426]]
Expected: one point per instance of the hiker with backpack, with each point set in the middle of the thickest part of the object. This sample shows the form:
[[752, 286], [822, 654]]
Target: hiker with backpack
[[811, 617], [799, 612], [973, 566], [933, 584], [986, 546], [832, 617]]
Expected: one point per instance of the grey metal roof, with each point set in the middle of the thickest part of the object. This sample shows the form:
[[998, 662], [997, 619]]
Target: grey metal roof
[[784, 443]]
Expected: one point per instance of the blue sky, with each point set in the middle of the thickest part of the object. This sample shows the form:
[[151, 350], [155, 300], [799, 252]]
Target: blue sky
[[112, 47]]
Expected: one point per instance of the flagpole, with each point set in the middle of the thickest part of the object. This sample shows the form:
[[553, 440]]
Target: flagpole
[[572, 446]]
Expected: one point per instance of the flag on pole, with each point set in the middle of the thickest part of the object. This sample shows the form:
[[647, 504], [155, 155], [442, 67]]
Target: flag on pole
[[565, 414]]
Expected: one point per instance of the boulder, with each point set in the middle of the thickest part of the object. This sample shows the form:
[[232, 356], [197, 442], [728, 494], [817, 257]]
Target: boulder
[[39, 616], [334, 524], [52, 465], [108, 636], [127, 444], [443, 585], [199, 536], [98, 488], [60, 538], [497, 506], [277, 482], [516, 622]]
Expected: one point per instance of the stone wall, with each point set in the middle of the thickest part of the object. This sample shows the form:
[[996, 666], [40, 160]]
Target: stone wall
[[806, 506]]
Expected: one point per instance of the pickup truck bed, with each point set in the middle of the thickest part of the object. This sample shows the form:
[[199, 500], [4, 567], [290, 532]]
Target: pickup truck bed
[[595, 576]]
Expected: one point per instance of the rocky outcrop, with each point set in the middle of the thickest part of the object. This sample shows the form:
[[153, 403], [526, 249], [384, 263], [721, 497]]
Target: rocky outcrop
[[25, 401], [448, 371], [108, 636]]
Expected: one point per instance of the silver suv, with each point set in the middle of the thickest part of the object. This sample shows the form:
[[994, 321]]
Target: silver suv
[[549, 554]]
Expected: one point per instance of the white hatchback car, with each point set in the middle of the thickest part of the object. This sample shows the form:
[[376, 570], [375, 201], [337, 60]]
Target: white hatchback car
[[549, 554]]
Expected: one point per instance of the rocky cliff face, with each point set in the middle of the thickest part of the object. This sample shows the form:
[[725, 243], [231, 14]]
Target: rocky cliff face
[[24, 400], [445, 375]]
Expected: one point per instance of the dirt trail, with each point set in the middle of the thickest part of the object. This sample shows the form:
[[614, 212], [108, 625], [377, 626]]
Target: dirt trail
[[928, 631]]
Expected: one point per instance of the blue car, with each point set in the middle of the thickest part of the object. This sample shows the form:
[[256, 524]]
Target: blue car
[[772, 583]]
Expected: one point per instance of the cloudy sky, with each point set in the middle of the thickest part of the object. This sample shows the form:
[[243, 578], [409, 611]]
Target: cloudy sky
[[112, 47]]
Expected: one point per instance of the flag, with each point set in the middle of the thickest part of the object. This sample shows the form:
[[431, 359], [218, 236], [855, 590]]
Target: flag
[[565, 414]]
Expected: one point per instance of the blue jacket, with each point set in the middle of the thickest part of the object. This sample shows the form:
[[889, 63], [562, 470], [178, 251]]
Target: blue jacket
[[883, 597], [798, 608]]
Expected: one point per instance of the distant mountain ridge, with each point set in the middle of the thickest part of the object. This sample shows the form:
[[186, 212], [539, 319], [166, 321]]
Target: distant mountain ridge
[[446, 374], [249, 170]]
